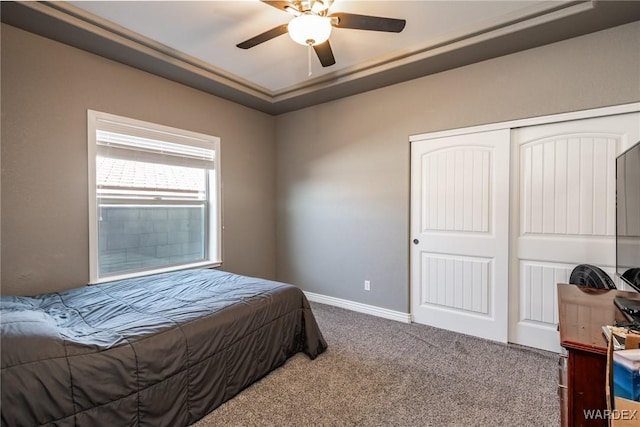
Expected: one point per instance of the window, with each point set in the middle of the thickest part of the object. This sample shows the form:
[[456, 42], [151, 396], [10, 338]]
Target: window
[[154, 198]]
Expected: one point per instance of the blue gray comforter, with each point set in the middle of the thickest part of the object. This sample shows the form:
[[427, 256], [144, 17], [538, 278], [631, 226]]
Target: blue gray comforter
[[162, 350]]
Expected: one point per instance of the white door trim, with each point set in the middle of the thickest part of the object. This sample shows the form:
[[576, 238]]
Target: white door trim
[[553, 118], [511, 125]]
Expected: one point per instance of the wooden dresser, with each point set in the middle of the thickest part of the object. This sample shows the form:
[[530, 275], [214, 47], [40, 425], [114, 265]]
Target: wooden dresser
[[582, 313]]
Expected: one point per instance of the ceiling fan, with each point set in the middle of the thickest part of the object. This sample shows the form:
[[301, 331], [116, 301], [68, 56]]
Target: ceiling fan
[[312, 23]]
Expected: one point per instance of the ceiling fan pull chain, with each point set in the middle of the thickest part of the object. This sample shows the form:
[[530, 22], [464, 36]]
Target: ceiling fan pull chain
[[309, 59]]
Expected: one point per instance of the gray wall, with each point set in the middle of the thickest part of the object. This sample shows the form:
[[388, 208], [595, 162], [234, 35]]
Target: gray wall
[[340, 170], [343, 167], [47, 88]]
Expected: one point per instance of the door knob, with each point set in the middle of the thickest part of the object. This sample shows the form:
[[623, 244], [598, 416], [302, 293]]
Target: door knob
[[416, 241]]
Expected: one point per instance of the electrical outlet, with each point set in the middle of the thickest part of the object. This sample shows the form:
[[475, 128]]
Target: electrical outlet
[[367, 285]]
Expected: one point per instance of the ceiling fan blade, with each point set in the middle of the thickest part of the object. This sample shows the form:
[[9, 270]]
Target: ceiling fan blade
[[282, 5], [365, 22], [325, 54], [261, 38]]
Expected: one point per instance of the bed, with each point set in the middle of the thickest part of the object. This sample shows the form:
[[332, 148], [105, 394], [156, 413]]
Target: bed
[[161, 350]]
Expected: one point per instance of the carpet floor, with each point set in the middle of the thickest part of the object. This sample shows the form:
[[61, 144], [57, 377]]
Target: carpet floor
[[379, 372]]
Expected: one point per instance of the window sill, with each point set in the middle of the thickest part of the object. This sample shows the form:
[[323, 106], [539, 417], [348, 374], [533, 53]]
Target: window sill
[[203, 264]]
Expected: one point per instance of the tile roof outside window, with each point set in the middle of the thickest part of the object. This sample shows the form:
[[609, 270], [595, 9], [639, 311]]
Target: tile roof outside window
[[133, 174]]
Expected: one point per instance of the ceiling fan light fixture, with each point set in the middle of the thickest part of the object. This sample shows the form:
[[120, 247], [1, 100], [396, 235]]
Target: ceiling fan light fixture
[[309, 29], [319, 6]]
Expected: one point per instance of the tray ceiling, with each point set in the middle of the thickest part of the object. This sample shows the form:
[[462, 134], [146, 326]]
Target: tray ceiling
[[195, 42]]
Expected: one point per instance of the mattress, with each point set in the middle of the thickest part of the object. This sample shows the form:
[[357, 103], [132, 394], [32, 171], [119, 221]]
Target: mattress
[[161, 350]]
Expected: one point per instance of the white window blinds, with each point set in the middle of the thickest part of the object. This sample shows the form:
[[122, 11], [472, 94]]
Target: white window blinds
[[122, 140]]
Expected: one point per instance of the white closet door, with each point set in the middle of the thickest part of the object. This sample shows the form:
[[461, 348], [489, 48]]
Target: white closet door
[[460, 233], [563, 214]]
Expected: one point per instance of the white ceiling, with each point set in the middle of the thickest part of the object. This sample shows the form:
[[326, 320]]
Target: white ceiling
[[210, 30], [194, 42]]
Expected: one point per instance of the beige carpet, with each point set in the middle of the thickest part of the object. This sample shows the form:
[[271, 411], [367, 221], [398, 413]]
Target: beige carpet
[[378, 372]]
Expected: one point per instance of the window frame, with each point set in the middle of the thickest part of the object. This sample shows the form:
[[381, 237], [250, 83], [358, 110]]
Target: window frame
[[213, 224]]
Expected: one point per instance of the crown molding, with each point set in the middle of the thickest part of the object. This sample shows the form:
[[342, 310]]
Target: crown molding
[[68, 24]]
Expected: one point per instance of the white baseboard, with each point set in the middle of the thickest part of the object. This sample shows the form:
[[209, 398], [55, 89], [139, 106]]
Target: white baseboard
[[360, 308]]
